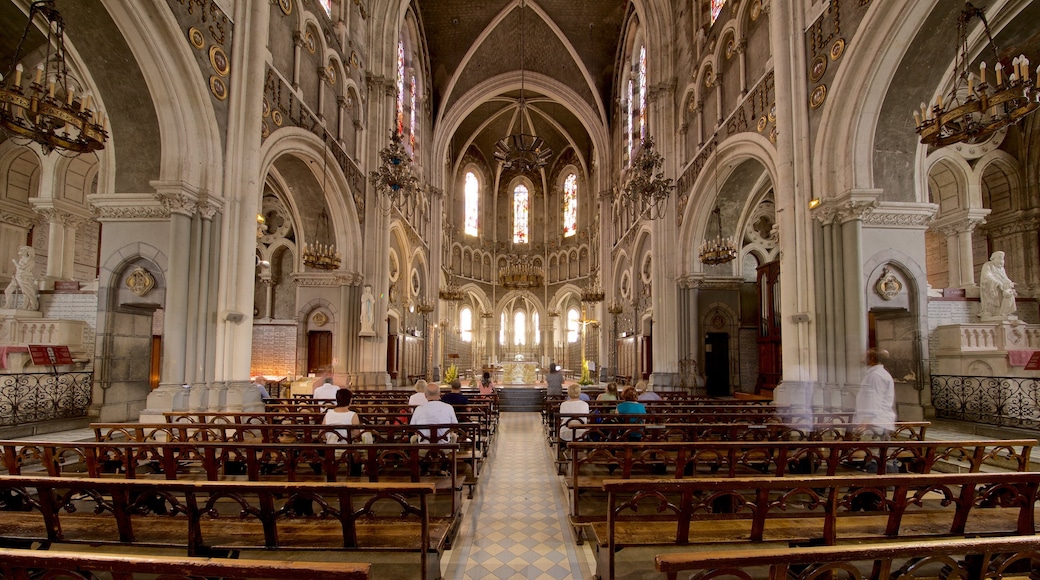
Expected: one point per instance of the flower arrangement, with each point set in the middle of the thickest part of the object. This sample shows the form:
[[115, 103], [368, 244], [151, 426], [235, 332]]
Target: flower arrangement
[[586, 377], [451, 373]]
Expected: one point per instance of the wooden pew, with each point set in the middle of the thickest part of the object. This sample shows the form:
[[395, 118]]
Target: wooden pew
[[811, 510], [982, 558], [593, 464], [208, 518], [24, 564]]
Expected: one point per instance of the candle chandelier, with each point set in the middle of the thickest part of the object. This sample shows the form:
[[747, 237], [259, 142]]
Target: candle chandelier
[[720, 249], [974, 109], [395, 178], [451, 292], [321, 254], [520, 151], [520, 272], [45, 107], [645, 184], [592, 292]]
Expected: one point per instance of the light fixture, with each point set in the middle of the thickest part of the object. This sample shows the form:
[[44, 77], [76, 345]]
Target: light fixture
[[973, 109], [520, 151], [615, 308], [394, 179], [592, 292], [814, 203], [645, 185], [721, 249], [46, 110], [520, 273], [451, 292], [261, 225], [321, 253], [424, 307]]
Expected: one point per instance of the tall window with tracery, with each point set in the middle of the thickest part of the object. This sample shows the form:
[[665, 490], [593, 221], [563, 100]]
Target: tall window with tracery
[[327, 5], [472, 189], [628, 120], [570, 205], [400, 87], [572, 325], [642, 93], [466, 324], [521, 201], [536, 328], [411, 117], [716, 9], [519, 328], [502, 330]]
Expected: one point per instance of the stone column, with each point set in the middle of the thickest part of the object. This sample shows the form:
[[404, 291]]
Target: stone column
[[62, 222], [958, 228]]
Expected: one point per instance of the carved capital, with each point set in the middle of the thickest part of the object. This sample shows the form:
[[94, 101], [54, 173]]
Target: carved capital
[[298, 40], [905, 215], [178, 203], [207, 210], [1018, 222], [960, 222]]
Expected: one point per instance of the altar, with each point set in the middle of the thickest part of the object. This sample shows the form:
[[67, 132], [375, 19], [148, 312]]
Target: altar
[[519, 372]]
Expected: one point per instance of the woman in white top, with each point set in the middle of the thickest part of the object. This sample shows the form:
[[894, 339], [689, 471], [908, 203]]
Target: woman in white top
[[419, 396], [340, 415], [573, 406]]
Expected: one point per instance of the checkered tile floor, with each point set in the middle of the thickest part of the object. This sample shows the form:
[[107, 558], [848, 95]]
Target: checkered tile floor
[[516, 524]]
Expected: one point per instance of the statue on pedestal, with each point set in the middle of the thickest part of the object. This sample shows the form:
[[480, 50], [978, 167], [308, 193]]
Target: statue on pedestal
[[368, 312], [24, 281], [996, 290]]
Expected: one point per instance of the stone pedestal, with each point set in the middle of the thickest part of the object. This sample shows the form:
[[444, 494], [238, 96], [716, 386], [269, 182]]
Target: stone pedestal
[[20, 328], [988, 349]]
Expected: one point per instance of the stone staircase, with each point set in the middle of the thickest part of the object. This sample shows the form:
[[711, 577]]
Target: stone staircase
[[521, 399]]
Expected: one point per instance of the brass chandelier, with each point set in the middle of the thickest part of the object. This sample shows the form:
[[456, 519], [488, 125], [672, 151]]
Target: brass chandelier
[[520, 272], [451, 292], [974, 109], [321, 254], [45, 107], [721, 249], [592, 292], [645, 184]]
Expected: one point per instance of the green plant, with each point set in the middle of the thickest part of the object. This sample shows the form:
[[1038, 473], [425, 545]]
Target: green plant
[[451, 373], [586, 377]]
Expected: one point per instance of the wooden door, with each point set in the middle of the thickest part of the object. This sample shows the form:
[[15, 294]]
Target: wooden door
[[647, 352], [716, 364], [770, 369], [392, 341], [319, 351]]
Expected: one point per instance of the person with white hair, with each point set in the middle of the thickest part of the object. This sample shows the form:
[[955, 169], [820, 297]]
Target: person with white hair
[[573, 406], [327, 391], [419, 396]]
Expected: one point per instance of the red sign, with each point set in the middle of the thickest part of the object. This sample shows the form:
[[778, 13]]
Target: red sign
[[48, 354], [1034, 362]]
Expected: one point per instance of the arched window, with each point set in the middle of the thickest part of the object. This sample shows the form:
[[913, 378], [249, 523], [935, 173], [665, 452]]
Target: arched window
[[520, 209], [572, 325], [502, 330], [400, 87], [519, 328], [412, 139], [472, 204], [466, 324], [327, 5], [716, 9], [537, 329], [570, 205], [635, 113]]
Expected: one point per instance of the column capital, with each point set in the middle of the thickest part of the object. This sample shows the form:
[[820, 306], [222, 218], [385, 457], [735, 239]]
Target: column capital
[[964, 221], [58, 212], [127, 207]]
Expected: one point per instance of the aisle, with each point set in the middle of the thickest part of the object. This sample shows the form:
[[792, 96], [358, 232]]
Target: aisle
[[516, 524]]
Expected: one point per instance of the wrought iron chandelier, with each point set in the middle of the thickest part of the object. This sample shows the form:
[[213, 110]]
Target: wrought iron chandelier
[[645, 185], [721, 249], [46, 109], [592, 292], [322, 254], [521, 151], [974, 109], [451, 292], [520, 272], [395, 178]]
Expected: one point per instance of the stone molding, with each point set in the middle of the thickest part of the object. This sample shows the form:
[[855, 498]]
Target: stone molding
[[960, 222], [1018, 222], [327, 279], [901, 215], [178, 203], [695, 282]]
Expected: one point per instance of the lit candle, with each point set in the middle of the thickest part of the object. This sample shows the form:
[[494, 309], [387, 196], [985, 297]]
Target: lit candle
[[1014, 67], [18, 74], [84, 105], [999, 69], [982, 73], [971, 84], [50, 89], [1038, 77], [39, 74], [71, 96], [917, 118], [938, 101], [924, 111]]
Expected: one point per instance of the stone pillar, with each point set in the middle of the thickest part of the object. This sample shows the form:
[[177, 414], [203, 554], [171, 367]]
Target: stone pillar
[[957, 227], [62, 222]]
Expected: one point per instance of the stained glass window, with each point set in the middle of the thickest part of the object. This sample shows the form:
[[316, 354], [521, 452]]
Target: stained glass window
[[570, 205], [642, 93], [472, 204], [520, 213], [628, 120], [400, 87], [572, 325], [716, 9], [466, 324], [519, 328], [537, 330], [327, 5], [411, 117], [502, 330]]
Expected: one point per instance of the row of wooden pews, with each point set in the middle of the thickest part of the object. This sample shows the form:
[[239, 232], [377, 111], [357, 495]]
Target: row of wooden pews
[[271, 485], [669, 492]]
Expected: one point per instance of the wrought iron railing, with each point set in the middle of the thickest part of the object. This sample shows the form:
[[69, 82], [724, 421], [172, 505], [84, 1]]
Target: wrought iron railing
[[32, 397], [1004, 401]]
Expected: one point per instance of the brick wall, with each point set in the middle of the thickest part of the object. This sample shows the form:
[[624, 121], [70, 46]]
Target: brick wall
[[274, 350]]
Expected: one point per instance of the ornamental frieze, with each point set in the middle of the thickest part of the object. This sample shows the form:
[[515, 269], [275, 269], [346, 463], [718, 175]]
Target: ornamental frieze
[[309, 279]]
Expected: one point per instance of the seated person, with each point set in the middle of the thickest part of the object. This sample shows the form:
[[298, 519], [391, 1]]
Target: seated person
[[573, 406], [610, 394], [419, 396], [644, 394], [434, 412], [630, 406], [340, 415], [261, 385], [455, 398], [327, 391], [486, 386]]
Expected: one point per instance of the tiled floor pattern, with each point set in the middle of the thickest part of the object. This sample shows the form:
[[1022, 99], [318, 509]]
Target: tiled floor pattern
[[516, 525]]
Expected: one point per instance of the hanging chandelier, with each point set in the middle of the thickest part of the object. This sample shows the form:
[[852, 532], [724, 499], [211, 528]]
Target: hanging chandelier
[[645, 185], [520, 272], [721, 249], [46, 108], [394, 179], [451, 292], [322, 254], [592, 292], [520, 151], [974, 109]]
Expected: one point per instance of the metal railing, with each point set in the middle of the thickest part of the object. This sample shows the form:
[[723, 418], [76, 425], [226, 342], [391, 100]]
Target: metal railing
[[1003, 401], [33, 397]]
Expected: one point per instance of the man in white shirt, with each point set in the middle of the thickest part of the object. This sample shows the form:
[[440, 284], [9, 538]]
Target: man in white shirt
[[434, 412], [326, 391]]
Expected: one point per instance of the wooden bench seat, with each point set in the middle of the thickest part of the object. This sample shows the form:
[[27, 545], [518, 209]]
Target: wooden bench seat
[[983, 558], [207, 518], [23, 564], [811, 510]]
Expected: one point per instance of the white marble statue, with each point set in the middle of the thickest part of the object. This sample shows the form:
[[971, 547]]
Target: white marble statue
[[996, 290], [24, 281], [368, 314]]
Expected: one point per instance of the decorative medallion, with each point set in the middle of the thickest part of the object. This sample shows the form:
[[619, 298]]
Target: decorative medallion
[[309, 42], [818, 96], [772, 113], [395, 268], [731, 46], [817, 68], [219, 60], [756, 9], [140, 282], [837, 49], [265, 131], [772, 135], [709, 77], [711, 43], [276, 116], [354, 59], [286, 6], [718, 321], [762, 122], [888, 286], [267, 107], [195, 36], [218, 87], [320, 318], [416, 284], [331, 74]]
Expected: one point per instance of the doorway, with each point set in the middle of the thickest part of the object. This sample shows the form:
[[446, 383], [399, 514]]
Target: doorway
[[716, 364], [319, 351]]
